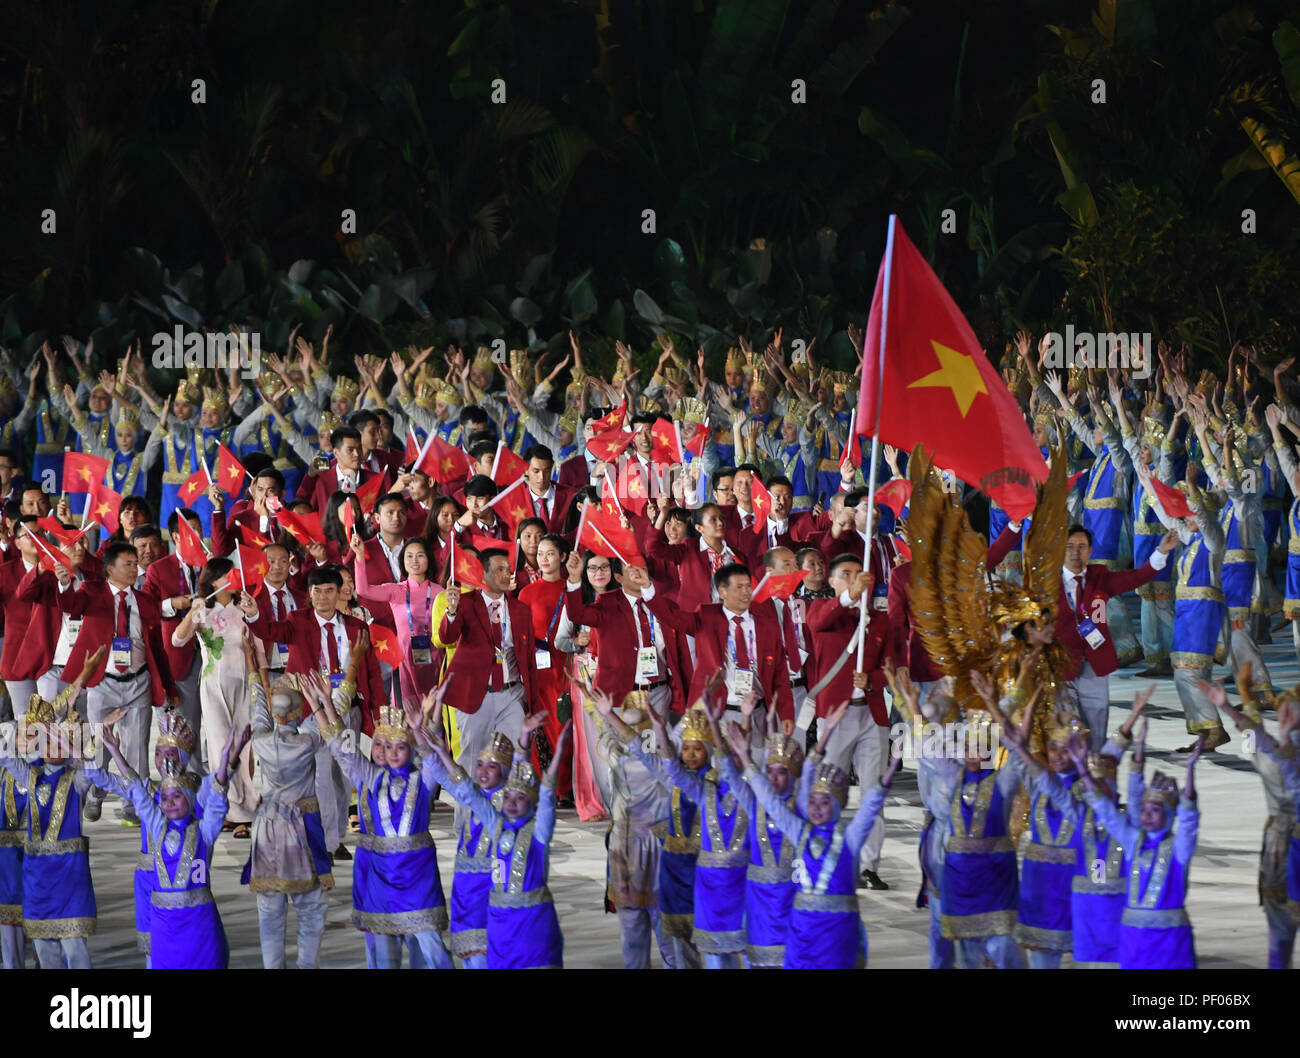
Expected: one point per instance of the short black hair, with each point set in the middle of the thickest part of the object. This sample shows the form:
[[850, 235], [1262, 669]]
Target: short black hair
[[489, 553], [345, 433], [325, 575], [385, 417], [116, 550], [779, 479], [752, 469], [479, 449], [804, 552], [480, 485], [479, 436], [1080, 529], [31, 486], [472, 413], [361, 418], [719, 474], [840, 559], [540, 452], [390, 497], [176, 515], [143, 532], [9, 452], [272, 475], [561, 544], [644, 418], [698, 516], [731, 569], [401, 556], [526, 522]]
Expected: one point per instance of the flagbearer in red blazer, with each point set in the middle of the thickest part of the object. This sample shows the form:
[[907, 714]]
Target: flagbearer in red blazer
[[134, 675], [252, 513], [1081, 622], [347, 473], [745, 643], [20, 558], [492, 679], [862, 737], [321, 639]]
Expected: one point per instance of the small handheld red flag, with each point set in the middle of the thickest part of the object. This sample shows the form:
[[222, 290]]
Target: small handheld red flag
[[81, 470], [1173, 500], [778, 585], [608, 446], [895, 495], [196, 486], [189, 545], [383, 641], [465, 568], [230, 471], [367, 494], [507, 468], [612, 420], [104, 505], [305, 528], [443, 462], [762, 501]]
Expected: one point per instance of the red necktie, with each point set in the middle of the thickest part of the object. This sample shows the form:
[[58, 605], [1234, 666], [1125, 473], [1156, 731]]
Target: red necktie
[[123, 622], [333, 646], [742, 648], [497, 680], [791, 637], [544, 511], [647, 635], [1078, 596], [279, 604]]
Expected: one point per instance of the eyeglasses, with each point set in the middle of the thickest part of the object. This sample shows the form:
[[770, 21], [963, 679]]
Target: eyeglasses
[[724, 488], [604, 567]]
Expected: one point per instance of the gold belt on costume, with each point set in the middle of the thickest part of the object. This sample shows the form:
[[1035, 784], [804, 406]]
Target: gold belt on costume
[[393, 843]]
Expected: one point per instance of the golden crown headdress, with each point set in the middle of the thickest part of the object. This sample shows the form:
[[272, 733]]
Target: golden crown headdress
[[215, 399], [577, 381], [444, 392], [523, 779], [736, 360], [521, 366], [831, 780], [345, 389], [175, 730], [569, 421], [270, 383], [695, 726], [977, 719], [177, 777], [40, 711], [785, 752], [392, 725], [500, 749], [1153, 431], [128, 415], [797, 413], [1044, 417], [483, 359], [329, 422], [692, 409], [7, 386], [841, 381], [1062, 727], [650, 406], [635, 710], [190, 391], [425, 394], [1161, 790]]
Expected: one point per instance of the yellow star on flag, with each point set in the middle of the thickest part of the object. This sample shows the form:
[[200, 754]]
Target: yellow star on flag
[[447, 464], [234, 473], [101, 509], [634, 487], [519, 513], [84, 474], [957, 372]]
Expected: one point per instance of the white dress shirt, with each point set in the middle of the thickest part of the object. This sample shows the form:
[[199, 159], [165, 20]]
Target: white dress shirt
[[510, 670], [751, 644], [187, 577], [136, 629], [334, 627], [656, 629], [392, 553]]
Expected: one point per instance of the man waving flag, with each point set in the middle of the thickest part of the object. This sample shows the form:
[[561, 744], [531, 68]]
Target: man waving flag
[[938, 387]]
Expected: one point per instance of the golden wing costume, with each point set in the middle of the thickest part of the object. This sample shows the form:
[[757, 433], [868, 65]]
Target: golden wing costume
[[965, 620]]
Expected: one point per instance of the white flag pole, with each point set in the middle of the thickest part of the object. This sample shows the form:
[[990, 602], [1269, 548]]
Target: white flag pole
[[875, 439]]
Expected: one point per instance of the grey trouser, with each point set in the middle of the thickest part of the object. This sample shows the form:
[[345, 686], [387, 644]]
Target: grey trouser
[[272, 920]]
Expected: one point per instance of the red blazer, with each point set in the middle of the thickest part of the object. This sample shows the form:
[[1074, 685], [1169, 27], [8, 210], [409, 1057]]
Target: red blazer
[[809, 640], [93, 603], [163, 581], [800, 528], [694, 574], [300, 600], [327, 483], [17, 613], [710, 627], [1099, 584], [559, 507], [224, 530], [378, 571], [474, 657], [390, 462], [614, 617], [35, 647], [574, 473], [833, 626], [301, 631]]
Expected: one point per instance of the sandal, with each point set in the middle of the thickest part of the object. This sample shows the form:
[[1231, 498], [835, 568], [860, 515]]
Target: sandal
[[242, 831]]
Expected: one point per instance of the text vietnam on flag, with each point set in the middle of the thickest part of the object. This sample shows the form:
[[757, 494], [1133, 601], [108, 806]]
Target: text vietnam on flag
[[939, 389]]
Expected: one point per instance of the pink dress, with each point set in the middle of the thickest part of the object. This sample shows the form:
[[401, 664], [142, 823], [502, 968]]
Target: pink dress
[[412, 606]]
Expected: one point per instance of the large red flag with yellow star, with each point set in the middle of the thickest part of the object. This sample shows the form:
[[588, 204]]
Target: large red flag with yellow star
[[81, 470], [939, 388], [104, 505], [441, 461], [230, 471]]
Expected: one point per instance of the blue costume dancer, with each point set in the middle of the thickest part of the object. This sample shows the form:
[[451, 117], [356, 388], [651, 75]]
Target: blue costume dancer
[[396, 887], [473, 878], [723, 860], [523, 931], [769, 881], [826, 931], [13, 829], [1155, 932]]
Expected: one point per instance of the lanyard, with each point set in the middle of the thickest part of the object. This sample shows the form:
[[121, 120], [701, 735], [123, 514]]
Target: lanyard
[[654, 625], [428, 598], [555, 617]]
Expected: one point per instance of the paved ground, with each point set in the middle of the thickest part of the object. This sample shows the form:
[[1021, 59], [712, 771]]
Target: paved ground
[[1230, 929]]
